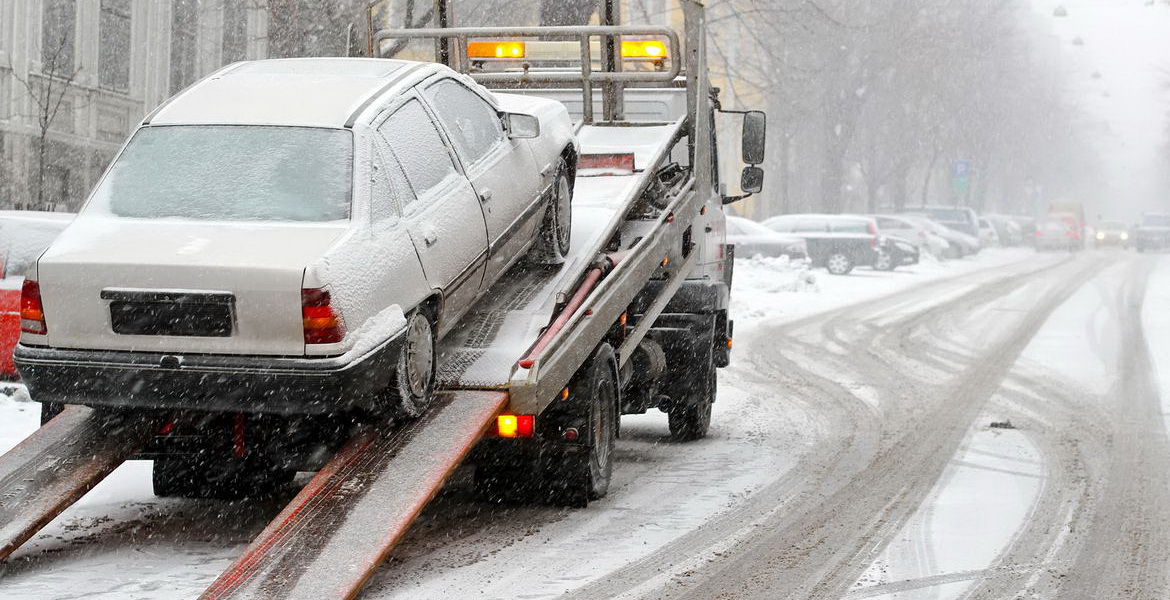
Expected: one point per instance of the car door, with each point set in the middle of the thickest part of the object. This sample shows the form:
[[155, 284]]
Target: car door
[[440, 211], [503, 171]]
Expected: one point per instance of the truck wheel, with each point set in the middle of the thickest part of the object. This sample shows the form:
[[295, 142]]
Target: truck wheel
[[575, 478], [690, 419], [552, 244], [226, 479], [414, 374], [839, 263]]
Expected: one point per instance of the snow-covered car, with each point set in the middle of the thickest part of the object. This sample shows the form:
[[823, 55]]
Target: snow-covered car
[[752, 239], [959, 244], [836, 242], [294, 236], [1057, 234], [24, 235], [1111, 233], [1153, 233], [988, 236], [917, 233], [896, 252]]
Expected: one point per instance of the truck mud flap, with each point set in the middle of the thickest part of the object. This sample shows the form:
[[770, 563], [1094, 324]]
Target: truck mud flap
[[56, 465], [331, 538]]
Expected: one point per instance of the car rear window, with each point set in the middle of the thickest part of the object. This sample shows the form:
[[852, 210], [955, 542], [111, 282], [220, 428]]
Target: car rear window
[[850, 226], [232, 173]]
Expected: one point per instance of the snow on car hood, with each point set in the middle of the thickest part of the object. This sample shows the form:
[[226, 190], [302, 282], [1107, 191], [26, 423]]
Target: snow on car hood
[[261, 264]]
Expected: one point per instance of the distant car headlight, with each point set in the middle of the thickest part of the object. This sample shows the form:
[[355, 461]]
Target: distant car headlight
[[1124, 236], [1100, 235]]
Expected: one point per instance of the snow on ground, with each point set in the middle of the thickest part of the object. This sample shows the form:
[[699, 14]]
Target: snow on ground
[[120, 541], [1156, 322], [987, 492]]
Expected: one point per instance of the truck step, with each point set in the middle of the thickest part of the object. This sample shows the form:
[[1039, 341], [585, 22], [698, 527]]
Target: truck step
[[56, 465], [331, 538]]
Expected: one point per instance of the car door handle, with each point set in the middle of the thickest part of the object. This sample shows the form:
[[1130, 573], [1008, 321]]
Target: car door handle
[[485, 195]]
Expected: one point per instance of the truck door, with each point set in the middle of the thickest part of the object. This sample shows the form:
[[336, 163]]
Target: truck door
[[503, 171], [442, 212]]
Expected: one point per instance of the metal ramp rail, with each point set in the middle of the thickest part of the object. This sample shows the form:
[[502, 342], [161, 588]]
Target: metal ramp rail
[[331, 538], [56, 465]]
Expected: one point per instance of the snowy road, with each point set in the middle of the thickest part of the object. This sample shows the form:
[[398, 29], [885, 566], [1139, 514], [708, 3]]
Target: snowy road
[[987, 429]]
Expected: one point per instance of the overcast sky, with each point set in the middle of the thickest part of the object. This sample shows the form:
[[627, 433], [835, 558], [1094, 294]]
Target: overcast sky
[[1126, 42]]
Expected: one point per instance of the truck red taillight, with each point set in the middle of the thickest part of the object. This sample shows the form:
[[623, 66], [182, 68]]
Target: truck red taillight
[[323, 325], [515, 426], [32, 312]]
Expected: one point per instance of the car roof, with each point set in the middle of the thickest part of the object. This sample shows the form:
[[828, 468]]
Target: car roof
[[309, 92]]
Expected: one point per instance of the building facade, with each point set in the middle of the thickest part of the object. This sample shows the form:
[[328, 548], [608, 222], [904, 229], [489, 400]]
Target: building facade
[[76, 77]]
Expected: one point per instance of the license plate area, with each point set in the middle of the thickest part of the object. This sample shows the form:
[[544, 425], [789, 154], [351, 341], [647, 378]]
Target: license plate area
[[171, 313]]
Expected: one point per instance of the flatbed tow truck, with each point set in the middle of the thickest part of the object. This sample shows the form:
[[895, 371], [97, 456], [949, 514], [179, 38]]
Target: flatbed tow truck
[[532, 385]]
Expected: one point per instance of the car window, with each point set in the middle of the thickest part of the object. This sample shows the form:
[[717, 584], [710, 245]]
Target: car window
[[416, 144], [811, 225], [390, 192], [231, 173], [885, 223], [849, 226], [473, 124]]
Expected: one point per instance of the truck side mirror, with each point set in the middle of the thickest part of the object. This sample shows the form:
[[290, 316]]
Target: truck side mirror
[[755, 125], [751, 180], [521, 126]]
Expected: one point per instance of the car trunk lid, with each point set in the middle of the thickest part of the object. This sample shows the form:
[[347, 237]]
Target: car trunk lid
[[180, 286]]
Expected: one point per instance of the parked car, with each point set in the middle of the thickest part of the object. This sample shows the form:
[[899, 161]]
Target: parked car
[[895, 252], [917, 233], [1057, 234], [304, 254], [24, 235], [960, 219], [836, 242], [988, 236], [959, 243], [1153, 233], [751, 239], [1111, 233], [1007, 228]]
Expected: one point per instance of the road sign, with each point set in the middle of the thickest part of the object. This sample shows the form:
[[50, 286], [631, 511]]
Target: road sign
[[960, 177]]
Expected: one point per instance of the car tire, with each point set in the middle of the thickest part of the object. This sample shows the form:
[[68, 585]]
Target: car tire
[[838, 263], [555, 237], [884, 262], [413, 383]]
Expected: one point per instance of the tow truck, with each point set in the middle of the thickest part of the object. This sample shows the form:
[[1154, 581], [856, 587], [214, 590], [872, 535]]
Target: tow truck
[[532, 385]]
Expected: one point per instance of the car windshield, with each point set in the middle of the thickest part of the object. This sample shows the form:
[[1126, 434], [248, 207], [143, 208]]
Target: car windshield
[[850, 226], [948, 215], [1158, 220], [230, 173]]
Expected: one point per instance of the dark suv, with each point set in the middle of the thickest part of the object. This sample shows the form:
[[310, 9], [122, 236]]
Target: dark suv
[[1153, 233], [836, 242]]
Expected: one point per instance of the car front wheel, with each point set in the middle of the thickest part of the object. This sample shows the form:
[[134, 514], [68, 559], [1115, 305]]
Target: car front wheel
[[552, 243]]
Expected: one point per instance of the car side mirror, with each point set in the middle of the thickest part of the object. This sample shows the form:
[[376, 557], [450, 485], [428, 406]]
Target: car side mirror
[[755, 126], [521, 126]]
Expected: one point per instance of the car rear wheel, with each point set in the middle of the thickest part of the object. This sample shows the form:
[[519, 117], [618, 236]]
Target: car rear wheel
[[414, 373], [552, 244], [839, 263], [884, 262]]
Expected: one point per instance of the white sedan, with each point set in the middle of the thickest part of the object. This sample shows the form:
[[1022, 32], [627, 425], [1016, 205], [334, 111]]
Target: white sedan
[[294, 236]]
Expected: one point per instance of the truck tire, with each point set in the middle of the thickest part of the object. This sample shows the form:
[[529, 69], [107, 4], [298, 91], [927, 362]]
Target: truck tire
[[225, 479], [412, 386], [552, 244], [690, 418], [839, 262], [575, 478]]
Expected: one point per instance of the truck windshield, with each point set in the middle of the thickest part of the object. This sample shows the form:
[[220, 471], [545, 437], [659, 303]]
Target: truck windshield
[[233, 173]]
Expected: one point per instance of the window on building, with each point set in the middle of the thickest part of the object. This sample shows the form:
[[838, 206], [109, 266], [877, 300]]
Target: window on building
[[235, 30], [114, 52], [58, 33], [184, 43]]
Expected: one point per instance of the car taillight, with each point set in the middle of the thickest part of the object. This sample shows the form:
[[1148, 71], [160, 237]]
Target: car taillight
[[32, 312], [323, 325]]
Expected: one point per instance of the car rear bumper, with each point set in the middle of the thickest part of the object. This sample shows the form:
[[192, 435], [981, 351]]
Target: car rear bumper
[[282, 385]]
